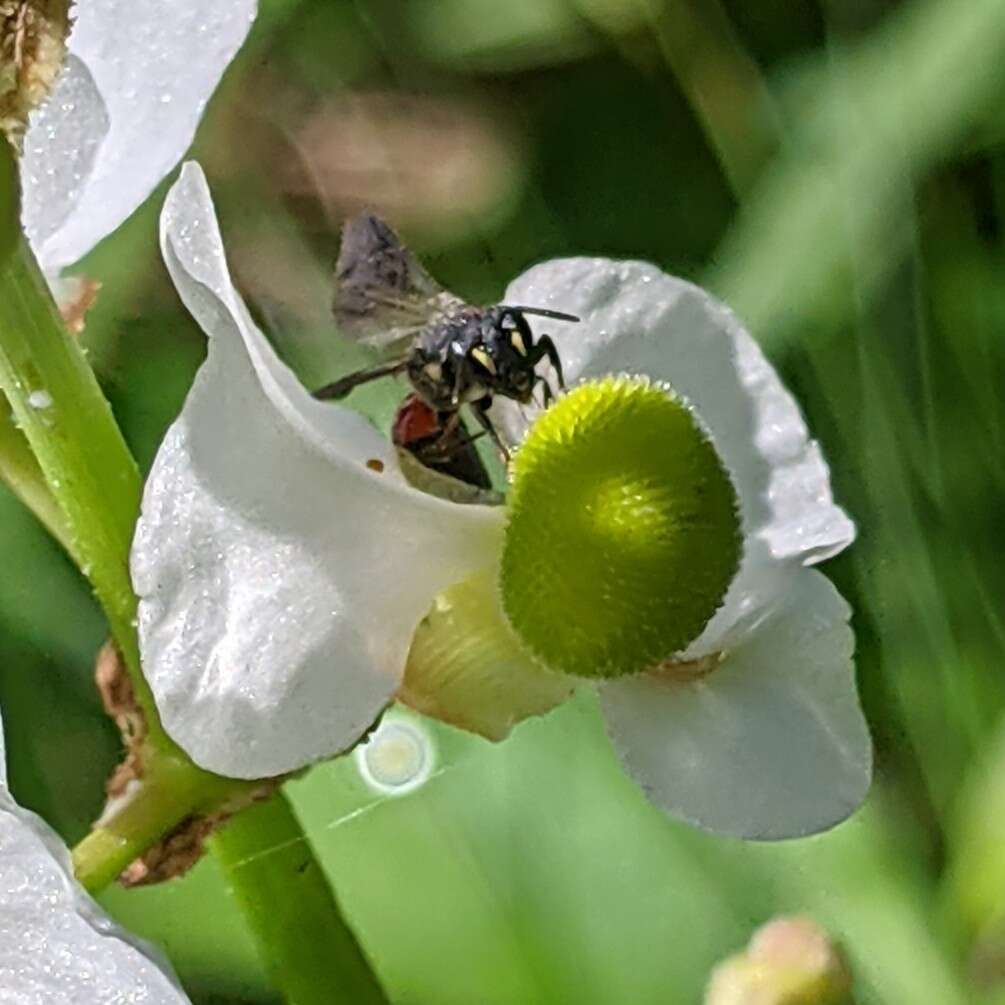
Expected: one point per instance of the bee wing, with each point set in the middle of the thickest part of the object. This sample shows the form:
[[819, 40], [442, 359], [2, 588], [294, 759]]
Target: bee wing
[[383, 296]]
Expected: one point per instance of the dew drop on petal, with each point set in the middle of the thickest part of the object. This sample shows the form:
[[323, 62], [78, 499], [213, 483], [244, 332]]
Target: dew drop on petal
[[59, 152]]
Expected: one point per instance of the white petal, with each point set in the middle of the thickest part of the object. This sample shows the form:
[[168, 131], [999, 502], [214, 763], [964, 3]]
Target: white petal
[[772, 743], [59, 151], [136, 87], [280, 579], [638, 320], [56, 946]]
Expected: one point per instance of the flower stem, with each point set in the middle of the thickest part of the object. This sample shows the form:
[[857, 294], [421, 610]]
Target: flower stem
[[171, 790], [18, 467], [309, 950], [87, 467], [21, 474], [722, 83]]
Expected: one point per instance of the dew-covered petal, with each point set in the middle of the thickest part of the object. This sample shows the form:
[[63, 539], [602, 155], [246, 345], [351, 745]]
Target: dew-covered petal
[[636, 319], [280, 575], [56, 946], [138, 77], [59, 151], [772, 743]]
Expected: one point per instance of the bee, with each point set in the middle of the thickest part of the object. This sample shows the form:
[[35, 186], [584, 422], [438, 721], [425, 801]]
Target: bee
[[452, 353]]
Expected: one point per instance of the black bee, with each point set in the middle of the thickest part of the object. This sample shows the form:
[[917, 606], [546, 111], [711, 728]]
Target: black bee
[[452, 353]]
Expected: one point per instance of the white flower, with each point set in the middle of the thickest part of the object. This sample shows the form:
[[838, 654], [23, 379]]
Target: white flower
[[281, 578], [56, 945], [137, 77], [772, 743]]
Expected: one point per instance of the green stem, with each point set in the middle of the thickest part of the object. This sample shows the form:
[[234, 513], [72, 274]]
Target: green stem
[[18, 467], [20, 472], [170, 790], [66, 421], [722, 83], [311, 953], [10, 200]]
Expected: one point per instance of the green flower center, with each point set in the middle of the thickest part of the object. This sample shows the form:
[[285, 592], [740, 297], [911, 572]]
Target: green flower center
[[623, 530]]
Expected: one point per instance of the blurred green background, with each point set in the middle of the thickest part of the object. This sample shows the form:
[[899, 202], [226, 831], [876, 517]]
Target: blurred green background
[[835, 169]]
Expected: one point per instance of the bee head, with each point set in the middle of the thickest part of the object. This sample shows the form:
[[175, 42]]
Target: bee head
[[503, 357]]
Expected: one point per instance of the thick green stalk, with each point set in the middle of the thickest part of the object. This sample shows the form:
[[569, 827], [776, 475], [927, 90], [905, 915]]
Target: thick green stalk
[[20, 472], [18, 467], [10, 201], [310, 952], [170, 791], [723, 84], [66, 421]]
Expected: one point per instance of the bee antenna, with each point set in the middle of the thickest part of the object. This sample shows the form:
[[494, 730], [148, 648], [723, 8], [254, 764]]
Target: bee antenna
[[541, 312]]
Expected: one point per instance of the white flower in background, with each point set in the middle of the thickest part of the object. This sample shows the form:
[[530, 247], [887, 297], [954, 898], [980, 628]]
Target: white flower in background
[[283, 563], [56, 945], [137, 77]]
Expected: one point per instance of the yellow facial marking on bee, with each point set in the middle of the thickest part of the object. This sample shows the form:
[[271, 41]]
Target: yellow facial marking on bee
[[433, 371], [481, 356], [516, 340]]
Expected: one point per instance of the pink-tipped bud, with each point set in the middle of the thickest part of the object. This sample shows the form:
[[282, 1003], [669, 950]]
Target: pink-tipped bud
[[788, 961]]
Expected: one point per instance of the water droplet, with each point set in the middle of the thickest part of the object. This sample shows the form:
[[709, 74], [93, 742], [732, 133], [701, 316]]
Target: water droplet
[[398, 758], [40, 399]]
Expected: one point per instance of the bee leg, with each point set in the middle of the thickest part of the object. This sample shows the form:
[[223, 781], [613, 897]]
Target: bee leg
[[480, 409], [447, 446], [466, 439], [449, 427], [341, 387], [545, 349], [547, 394], [453, 436]]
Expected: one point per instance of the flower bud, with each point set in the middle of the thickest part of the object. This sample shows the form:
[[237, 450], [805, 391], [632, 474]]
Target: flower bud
[[623, 531], [789, 961]]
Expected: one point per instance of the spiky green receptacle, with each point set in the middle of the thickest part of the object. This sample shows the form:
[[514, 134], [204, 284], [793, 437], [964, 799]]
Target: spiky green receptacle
[[623, 532]]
